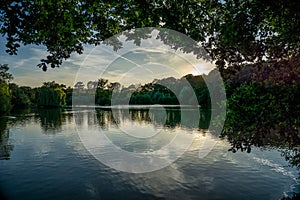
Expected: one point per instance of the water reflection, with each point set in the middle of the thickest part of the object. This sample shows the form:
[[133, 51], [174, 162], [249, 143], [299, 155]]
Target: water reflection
[[59, 167], [51, 120], [5, 146], [171, 119]]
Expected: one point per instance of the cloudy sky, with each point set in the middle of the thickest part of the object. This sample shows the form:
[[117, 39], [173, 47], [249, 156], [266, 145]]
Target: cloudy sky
[[132, 64]]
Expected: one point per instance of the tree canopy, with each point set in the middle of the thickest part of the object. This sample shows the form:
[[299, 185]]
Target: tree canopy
[[232, 31], [51, 94], [5, 92]]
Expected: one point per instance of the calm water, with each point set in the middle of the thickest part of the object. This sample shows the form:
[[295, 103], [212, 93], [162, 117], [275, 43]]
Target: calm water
[[42, 157]]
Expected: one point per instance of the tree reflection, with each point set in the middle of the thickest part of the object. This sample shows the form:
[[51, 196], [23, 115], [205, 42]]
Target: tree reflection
[[5, 146], [160, 117], [51, 120], [106, 119], [205, 118]]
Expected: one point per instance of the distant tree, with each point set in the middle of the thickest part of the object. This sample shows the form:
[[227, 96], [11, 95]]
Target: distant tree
[[132, 87], [78, 88], [91, 85], [5, 92], [186, 95], [101, 83], [103, 97], [141, 99], [79, 85], [20, 98], [51, 95], [30, 93], [103, 93], [52, 84], [167, 83], [63, 86], [114, 86], [69, 93], [5, 97]]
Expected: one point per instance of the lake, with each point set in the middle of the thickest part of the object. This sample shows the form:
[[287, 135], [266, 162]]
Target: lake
[[56, 154]]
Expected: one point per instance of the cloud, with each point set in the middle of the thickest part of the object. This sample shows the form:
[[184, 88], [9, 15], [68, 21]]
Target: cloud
[[152, 59]]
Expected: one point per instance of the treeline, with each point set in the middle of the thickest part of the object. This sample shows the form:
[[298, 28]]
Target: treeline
[[50, 94], [170, 91], [12, 96]]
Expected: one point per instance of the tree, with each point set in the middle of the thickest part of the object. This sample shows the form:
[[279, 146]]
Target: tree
[[114, 86], [101, 83], [51, 84], [30, 93], [91, 85], [186, 95], [69, 92], [51, 95], [19, 97], [103, 97], [232, 31], [5, 97], [5, 92], [79, 85]]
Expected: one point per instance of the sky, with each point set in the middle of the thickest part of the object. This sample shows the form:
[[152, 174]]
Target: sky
[[130, 65]]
